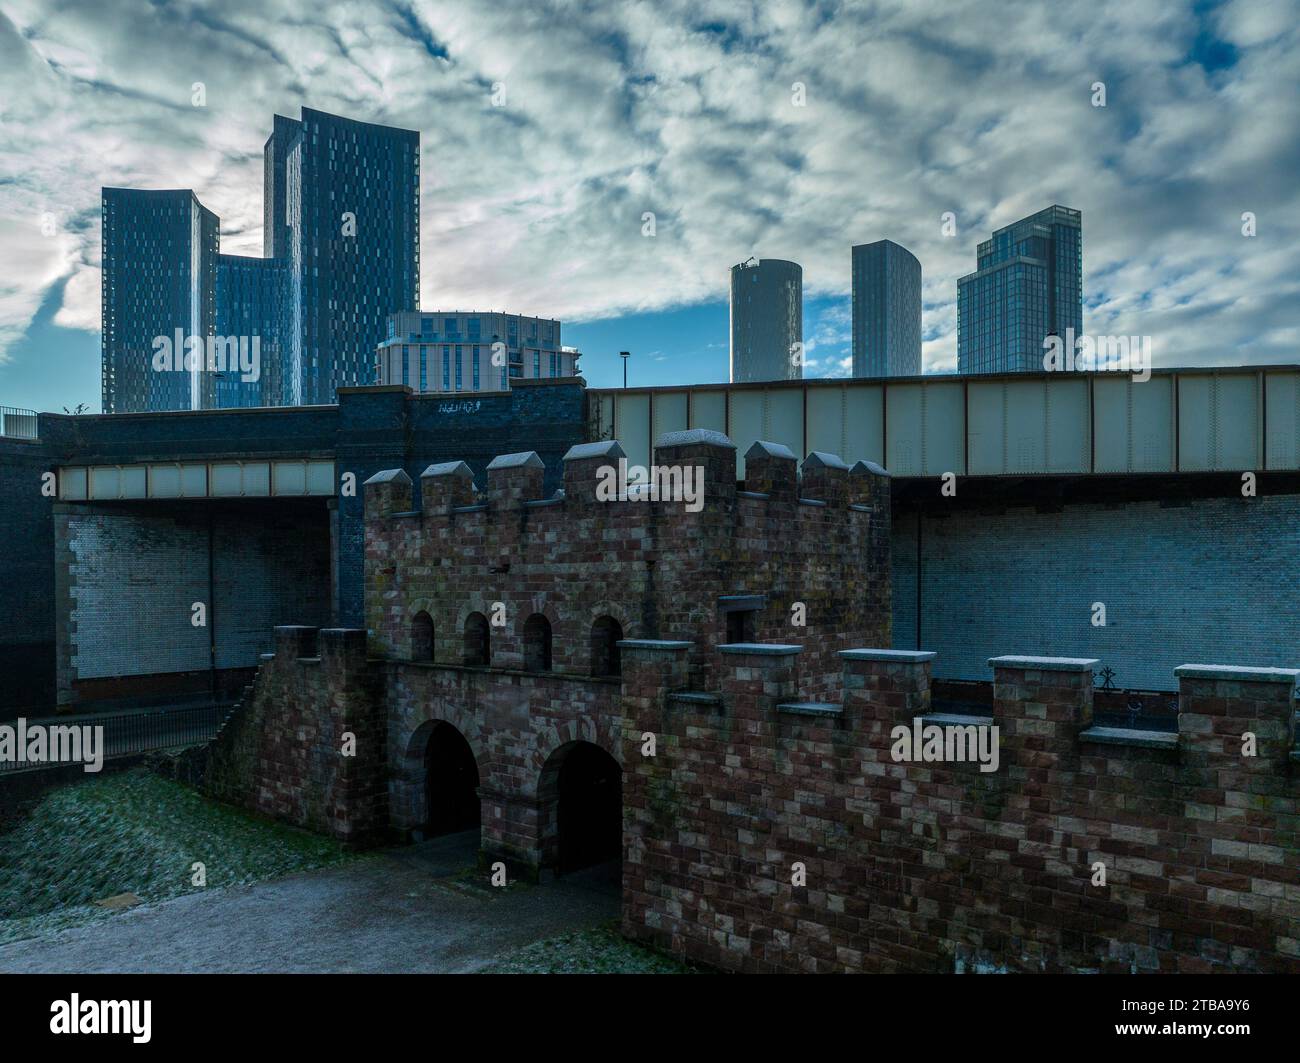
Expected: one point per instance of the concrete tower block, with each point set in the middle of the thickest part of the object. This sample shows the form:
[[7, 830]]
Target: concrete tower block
[[514, 479], [702, 448], [869, 485], [582, 469], [445, 486], [825, 477], [773, 469], [386, 493]]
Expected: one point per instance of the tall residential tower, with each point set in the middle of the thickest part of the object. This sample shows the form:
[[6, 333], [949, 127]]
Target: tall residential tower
[[886, 310], [352, 224], [766, 320], [158, 287], [1028, 285]]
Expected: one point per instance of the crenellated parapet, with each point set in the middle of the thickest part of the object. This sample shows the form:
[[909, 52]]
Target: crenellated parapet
[[885, 833], [666, 551]]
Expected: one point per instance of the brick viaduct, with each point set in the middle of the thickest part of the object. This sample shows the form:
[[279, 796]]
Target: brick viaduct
[[523, 653]]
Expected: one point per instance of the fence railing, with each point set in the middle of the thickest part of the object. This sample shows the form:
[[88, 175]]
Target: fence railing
[[16, 423], [125, 734]]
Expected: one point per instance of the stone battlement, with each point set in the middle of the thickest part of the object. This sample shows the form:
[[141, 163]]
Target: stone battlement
[[794, 554]]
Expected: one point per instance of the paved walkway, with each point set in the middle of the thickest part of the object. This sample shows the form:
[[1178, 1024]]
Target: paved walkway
[[401, 910]]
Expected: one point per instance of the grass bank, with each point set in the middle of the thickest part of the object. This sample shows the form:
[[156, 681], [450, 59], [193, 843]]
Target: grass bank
[[135, 832]]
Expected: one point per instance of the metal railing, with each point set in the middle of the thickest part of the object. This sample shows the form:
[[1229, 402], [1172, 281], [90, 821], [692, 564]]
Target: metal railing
[[16, 423], [129, 733]]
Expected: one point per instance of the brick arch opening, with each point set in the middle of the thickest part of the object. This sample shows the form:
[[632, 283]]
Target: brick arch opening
[[581, 796], [537, 644], [448, 800], [606, 633], [478, 641], [422, 637]]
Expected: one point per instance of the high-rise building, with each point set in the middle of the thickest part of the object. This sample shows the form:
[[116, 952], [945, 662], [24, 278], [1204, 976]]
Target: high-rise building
[[352, 208], [275, 156], [886, 310], [446, 351], [158, 292], [766, 320], [253, 316], [1028, 285], [341, 216]]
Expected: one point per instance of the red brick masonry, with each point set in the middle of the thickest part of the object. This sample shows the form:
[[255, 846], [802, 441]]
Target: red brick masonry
[[773, 830]]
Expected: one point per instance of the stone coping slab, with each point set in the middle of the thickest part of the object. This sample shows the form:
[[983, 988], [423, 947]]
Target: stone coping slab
[[955, 719], [695, 435], [1127, 736], [653, 644], [524, 459], [895, 656], [811, 708], [607, 448], [389, 476], [1046, 664], [1236, 673], [766, 649], [447, 468], [764, 449]]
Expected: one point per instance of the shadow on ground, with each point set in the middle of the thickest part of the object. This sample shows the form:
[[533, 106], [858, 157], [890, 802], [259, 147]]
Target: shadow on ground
[[421, 908]]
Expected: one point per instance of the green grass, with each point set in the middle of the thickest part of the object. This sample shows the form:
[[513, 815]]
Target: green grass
[[598, 951], [135, 832]]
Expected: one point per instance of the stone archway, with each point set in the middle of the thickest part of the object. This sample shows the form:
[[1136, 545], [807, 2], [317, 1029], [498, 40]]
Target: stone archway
[[580, 795]]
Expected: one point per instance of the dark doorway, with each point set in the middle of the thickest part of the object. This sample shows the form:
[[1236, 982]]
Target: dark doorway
[[478, 641], [590, 812], [422, 637], [741, 626], [451, 782], [605, 636], [537, 644]]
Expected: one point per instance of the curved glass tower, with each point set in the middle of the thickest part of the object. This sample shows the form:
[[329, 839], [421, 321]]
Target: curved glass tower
[[766, 320], [886, 310]]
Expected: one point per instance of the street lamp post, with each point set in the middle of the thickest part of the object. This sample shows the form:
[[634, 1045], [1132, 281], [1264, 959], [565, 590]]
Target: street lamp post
[[625, 355]]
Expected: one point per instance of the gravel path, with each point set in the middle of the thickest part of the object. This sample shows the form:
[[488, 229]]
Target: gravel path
[[402, 910]]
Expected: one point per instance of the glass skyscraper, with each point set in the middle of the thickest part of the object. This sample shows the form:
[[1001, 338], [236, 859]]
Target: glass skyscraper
[[158, 288], [1028, 285], [342, 244], [886, 310], [253, 312], [766, 320], [352, 220]]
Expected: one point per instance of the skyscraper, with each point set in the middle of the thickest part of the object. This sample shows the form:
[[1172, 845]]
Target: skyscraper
[[886, 310], [1028, 285], [352, 214], [341, 216], [766, 320], [252, 313], [158, 288]]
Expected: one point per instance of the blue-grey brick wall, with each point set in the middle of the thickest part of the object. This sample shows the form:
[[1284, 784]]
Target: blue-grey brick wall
[[133, 573], [26, 582], [1207, 580]]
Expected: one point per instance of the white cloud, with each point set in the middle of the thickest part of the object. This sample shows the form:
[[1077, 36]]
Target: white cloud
[[685, 110]]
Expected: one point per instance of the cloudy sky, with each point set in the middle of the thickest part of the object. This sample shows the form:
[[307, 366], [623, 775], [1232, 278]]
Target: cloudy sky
[[687, 110]]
